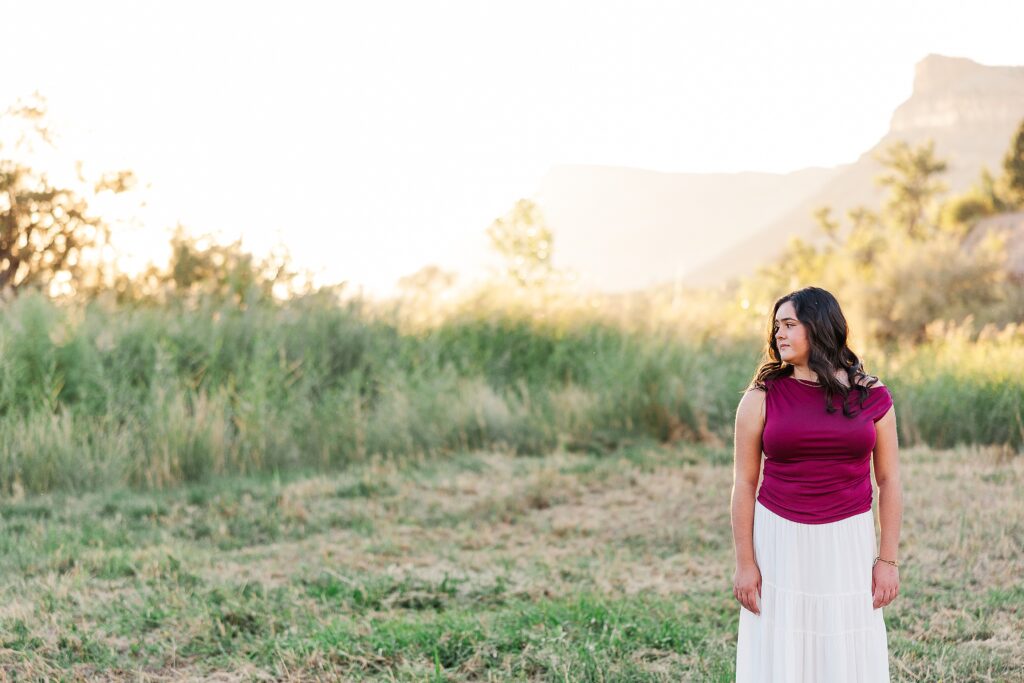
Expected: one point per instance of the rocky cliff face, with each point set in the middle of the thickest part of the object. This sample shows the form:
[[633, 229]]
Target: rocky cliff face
[[953, 94]]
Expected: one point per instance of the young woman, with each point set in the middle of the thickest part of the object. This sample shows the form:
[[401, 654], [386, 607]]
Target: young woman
[[810, 584]]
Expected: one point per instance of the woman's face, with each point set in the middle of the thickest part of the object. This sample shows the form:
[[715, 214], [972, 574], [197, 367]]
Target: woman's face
[[791, 336]]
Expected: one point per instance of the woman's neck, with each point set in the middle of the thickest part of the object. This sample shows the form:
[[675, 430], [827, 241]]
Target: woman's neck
[[805, 374]]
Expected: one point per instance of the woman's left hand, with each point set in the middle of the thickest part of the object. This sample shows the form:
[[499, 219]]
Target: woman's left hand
[[885, 583]]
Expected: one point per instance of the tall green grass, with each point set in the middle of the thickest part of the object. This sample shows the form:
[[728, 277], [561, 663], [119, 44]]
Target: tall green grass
[[151, 397], [961, 388]]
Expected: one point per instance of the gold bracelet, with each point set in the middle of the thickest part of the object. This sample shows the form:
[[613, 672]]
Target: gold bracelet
[[892, 562]]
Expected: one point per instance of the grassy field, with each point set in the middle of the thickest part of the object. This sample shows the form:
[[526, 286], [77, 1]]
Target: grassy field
[[157, 397], [484, 567]]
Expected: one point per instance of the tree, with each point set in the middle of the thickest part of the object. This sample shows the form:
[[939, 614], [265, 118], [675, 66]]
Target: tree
[[911, 176], [200, 267], [425, 296], [46, 232], [524, 239], [918, 283], [1013, 168], [866, 239]]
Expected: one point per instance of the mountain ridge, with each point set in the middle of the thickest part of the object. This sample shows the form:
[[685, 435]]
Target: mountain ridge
[[970, 110], [627, 229]]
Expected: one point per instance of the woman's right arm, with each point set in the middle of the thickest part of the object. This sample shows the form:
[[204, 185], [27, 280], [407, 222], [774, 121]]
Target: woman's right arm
[[746, 471]]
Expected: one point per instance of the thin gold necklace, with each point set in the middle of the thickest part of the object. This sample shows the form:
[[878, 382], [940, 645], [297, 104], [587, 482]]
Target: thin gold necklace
[[806, 382]]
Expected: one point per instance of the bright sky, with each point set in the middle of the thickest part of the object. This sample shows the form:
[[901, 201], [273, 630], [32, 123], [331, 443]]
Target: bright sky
[[374, 138]]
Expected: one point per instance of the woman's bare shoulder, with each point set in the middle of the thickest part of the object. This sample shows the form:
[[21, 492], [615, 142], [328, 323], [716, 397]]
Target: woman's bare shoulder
[[751, 403]]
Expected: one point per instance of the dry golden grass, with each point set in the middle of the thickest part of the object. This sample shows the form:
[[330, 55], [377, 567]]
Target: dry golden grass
[[655, 523]]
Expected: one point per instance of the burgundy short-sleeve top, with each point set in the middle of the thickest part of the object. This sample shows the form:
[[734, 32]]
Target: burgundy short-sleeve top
[[817, 464]]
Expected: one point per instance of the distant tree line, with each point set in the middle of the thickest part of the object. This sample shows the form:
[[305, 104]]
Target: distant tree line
[[52, 241], [897, 268], [912, 262]]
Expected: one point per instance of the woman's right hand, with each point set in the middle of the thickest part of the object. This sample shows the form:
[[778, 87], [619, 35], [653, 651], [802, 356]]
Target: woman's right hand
[[747, 587]]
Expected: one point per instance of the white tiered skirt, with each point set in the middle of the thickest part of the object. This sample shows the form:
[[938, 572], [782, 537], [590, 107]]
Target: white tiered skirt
[[817, 621]]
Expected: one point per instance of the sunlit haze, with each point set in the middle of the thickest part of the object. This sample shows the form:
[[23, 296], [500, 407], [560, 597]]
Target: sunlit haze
[[376, 138]]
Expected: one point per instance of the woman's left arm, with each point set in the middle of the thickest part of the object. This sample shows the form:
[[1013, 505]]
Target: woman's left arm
[[885, 579]]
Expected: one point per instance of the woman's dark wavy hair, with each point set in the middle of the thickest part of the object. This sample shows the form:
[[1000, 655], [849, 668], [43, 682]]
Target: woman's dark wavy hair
[[827, 333]]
